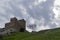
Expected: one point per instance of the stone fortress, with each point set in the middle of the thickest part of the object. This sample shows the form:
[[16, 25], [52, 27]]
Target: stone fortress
[[14, 26]]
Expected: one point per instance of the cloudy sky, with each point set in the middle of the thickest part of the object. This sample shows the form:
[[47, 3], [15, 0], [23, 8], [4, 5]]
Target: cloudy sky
[[43, 13]]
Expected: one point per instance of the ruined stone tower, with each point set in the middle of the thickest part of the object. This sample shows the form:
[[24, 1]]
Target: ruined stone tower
[[16, 25]]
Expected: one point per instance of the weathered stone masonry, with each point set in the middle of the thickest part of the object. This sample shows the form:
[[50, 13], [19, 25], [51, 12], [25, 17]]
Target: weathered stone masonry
[[17, 25], [14, 26]]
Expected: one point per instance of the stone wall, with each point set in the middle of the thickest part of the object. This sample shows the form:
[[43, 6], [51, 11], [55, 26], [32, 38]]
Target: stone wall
[[17, 25]]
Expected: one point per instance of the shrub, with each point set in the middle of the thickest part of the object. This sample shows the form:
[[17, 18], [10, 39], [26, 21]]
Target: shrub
[[1, 37]]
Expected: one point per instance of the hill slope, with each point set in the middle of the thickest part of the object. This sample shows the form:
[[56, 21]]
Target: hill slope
[[53, 34]]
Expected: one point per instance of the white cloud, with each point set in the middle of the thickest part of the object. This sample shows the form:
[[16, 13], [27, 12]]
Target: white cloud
[[33, 11], [32, 20], [37, 2], [23, 10], [57, 2], [56, 10], [42, 28]]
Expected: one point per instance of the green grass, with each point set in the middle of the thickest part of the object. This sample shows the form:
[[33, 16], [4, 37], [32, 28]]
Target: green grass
[[53, 34]]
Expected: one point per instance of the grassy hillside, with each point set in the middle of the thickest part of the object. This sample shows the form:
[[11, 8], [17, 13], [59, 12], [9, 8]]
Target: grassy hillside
[[42, 35]]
